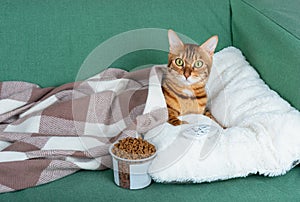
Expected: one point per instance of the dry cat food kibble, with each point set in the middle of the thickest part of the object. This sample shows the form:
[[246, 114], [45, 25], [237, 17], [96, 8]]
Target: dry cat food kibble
[[131, 159], [133, 148]]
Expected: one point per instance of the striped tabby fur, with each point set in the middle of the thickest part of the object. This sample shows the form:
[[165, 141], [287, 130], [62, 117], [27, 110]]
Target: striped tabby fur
[[184, 83]]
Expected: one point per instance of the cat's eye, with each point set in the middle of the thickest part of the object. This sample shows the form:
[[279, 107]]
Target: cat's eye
[[179, 62], [198, 64]]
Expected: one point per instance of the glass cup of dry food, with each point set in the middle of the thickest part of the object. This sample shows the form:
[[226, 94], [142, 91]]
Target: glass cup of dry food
[[131, 159]]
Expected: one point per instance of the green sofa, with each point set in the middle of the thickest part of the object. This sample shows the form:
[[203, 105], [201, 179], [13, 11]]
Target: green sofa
[[46, 42]]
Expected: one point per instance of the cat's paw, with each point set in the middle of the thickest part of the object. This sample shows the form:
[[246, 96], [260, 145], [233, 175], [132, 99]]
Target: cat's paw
[[184, 122], [177, 122], [209, 114]]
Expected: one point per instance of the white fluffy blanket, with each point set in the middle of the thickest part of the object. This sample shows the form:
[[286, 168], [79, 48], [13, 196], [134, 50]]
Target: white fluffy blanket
[[262, 135]]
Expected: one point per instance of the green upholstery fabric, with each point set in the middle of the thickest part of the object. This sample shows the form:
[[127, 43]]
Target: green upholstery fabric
[[99, 186], [45, 42], [285, 14], [268, 33]]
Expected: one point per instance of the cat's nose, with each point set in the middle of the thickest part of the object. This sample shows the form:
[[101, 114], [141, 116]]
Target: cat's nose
[[187, 71], [187, 74]]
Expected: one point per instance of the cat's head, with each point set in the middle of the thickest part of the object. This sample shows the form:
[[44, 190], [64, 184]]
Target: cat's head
[[190, 63]]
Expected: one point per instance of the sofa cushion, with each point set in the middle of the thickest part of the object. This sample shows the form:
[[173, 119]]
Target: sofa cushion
[[268, 35], [99, 186]]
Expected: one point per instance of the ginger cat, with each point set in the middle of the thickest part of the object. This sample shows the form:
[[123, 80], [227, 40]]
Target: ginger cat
[[184, 83]]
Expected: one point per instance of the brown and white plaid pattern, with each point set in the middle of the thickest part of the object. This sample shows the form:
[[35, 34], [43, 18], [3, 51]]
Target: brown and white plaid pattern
[[48, 133]]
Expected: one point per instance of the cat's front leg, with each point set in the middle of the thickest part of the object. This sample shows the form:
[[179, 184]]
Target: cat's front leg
[[173, 118], [176, 122]]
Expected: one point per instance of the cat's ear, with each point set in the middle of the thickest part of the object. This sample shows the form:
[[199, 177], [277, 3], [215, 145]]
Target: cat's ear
[[174, 41], [210, 45]]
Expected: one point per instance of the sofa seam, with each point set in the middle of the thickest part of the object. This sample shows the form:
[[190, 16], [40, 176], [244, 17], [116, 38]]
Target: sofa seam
[[231, 22], [269, 18]]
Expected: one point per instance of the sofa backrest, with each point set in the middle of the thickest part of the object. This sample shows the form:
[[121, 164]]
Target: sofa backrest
[[268, 33], [46, 42]]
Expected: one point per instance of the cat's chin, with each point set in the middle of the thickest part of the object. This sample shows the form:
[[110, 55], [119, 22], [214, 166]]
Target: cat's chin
[[188, 81]]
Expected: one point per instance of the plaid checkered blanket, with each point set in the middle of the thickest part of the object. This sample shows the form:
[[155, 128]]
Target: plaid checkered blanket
[[48, 133]]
